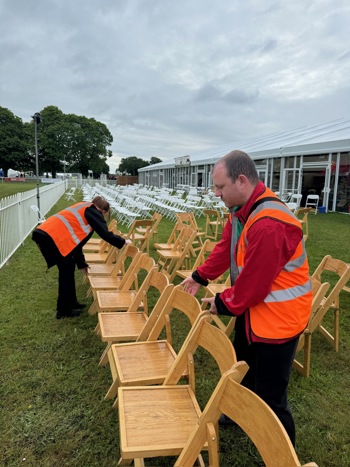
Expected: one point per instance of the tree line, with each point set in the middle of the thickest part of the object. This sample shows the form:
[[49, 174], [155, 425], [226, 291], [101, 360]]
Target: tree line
[[66, 143]]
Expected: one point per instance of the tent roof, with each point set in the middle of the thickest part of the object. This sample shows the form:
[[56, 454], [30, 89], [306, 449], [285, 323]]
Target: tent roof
[[323, 138]]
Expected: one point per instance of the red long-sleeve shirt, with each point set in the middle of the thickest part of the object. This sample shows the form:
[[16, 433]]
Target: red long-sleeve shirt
[[270, 246]]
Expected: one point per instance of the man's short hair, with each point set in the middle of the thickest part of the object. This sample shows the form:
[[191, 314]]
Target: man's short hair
[[239, 163]]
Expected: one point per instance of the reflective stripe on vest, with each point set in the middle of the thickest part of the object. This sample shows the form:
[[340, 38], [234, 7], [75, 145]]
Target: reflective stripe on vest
[[285, 311]]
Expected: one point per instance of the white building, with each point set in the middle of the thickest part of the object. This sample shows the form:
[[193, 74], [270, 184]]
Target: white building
[[313, 159]]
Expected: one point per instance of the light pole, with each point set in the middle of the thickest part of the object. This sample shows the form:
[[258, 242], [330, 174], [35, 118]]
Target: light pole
[[37, 119]]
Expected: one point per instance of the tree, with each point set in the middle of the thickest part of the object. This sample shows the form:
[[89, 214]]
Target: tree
[[71, 143], [13, 149], [130, 165], [154, 160]]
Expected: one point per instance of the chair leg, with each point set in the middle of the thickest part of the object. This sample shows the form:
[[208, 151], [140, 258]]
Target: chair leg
[[113, 390], [307, 355], [93, 308], [336, 330], [104, 357]]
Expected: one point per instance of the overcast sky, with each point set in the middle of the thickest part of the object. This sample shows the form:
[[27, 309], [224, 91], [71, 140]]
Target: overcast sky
[[175, 77]]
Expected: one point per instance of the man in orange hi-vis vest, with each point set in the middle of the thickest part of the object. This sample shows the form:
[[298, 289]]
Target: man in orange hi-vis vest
[[61, 239], [262, 245]]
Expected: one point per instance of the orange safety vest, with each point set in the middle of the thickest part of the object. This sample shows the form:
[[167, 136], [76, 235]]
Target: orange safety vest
[[285, 311], [68, 228]]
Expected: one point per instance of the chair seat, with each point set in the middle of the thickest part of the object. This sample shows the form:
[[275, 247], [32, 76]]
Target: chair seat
[[95, 257], [163, 246], [121, 326], [140, 363], [169, 254], [175, 406], [104, 283], [216, 288], [119, 300], [184, 273], [100, 269]]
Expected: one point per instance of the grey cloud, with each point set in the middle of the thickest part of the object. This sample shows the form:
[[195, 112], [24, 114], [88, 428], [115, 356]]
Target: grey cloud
[[170, 78], [210, 92]]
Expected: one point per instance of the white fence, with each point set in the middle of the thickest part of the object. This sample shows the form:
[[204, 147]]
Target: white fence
[[17, 219]]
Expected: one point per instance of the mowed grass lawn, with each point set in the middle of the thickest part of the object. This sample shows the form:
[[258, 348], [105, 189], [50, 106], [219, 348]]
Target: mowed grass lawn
[[12, 188], [53, 411]]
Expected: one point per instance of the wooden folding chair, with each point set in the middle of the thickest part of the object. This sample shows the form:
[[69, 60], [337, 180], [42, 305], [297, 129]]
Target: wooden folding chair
[[124, 294], [127, 327], [141, 240], [168, 245], [158, 420], [116, 265], [302, 215], [331, 268], [207, 248], [213, 223], [97, 245], [254, 417], [172, 260], [188, 218], [211, 290], [101, 258], [104, 281], [156, 218], [148, 360], [319, 291]]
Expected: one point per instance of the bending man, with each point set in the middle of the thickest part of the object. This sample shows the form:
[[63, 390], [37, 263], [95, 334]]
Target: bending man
[[61, 239]]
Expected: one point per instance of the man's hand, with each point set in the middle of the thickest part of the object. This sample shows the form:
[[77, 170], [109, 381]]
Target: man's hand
[[85, 271], [128, 241], [190, 285], [213, 310]]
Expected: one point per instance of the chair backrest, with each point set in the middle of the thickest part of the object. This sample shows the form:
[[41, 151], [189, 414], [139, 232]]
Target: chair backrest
[[254, 417], [125, 256], [154, 279], [210, 338], [188, 218], [141, 265], [302, 215], [337, 268], [208, 247], [296, 198], [143, 223], [213, 222], [312, 201], [36, 210], [157, 217], [182, 245], [319, 290], [178, 300]]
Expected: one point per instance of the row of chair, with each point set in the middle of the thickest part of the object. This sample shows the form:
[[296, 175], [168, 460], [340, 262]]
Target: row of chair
[[160, 417], [146, 376], [144, 327]]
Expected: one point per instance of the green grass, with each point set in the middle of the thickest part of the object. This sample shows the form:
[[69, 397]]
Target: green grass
[[12, 188], [53, 411]]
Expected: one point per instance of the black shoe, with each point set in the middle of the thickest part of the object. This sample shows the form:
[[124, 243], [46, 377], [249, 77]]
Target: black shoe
[[224, 420], [67, 314], [79, 306]]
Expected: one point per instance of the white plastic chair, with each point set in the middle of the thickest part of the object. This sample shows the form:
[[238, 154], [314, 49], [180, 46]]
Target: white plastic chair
[[35, 209], [70, 194], [312, 202]]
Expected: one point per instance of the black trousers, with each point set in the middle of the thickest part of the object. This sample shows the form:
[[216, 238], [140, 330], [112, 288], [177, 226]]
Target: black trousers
[[269, 371], [67, 297]]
